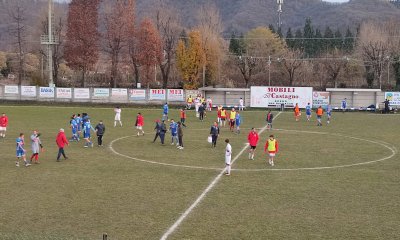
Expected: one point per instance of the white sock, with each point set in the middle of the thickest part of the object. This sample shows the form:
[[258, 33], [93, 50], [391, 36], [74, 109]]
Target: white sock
[[228, 169], [115, 123]]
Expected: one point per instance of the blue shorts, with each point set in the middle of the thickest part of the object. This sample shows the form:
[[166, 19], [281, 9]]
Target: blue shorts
[[20, 153], [238, 124], [308, 113], [329, 114], [86, 135], [173, 134], [74, 130]]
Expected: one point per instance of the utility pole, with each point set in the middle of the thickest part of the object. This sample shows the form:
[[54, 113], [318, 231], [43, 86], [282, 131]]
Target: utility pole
[[280, 3], [49, 40]]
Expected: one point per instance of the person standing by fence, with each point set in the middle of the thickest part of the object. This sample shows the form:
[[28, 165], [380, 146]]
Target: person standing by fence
[[214, 132], [139, 124], [117, 118], [252, 138], [180, 136], [228, 157], [3, 125], [36, 146], [100, 130], [21, 152], [61, 141], [270, 117]]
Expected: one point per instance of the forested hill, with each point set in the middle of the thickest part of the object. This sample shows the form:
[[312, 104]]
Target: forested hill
[[240, 15]]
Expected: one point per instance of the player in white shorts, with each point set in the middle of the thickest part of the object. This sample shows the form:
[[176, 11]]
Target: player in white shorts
[[117, 118], [228, 157]]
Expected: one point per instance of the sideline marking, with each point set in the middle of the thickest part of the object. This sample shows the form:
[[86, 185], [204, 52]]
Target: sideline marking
[[204, 193]]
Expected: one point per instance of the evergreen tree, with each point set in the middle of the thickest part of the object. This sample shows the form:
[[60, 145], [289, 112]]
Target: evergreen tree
[[319, 42], [298, 40], [234, 45], [272, 28], [290, 42], [279, 32], [348, 41], [309, 48], [339, 41], [328, 44]]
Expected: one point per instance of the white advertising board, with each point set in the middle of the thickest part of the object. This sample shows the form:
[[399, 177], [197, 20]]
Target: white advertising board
[[11, 89], [46, 92], [119, 93], [275, 96], [28, 91], [393, 97], [320, 99], [81, 93], [64, 93], [175, 95], [157, 94], [137, 94], [101, 92]]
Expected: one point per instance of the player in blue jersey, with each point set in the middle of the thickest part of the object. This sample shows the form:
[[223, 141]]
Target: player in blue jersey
[[308, 112], [328, 113], [165, 112], [21, 150], [238, 122], [74, 128], [78, 120], [86, 133], [173, 127], [344, 105]]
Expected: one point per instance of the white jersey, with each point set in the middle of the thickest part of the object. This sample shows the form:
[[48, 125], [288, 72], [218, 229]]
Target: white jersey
[[117, 114], [228, 154], [241, 102]]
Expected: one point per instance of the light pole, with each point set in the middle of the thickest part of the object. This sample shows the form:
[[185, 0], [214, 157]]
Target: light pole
[[388, 69], [269, 70]]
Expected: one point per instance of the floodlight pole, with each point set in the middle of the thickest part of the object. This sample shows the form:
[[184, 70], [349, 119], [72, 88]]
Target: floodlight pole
[[49, 46]]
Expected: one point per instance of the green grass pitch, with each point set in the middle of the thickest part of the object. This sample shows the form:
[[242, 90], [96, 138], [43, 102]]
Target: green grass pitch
[[321, 187]]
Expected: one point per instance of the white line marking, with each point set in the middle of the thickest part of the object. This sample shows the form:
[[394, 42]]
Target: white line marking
[[204, 193], [153, 162]]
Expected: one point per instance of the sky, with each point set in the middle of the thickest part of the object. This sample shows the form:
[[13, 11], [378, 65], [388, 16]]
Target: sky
[[337, 1]]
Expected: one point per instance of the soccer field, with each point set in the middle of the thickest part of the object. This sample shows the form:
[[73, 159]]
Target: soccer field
[[338, 181]]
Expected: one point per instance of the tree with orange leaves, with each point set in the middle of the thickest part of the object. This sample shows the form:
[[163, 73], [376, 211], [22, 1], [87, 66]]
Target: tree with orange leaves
[[190, 60], [82, 38], [149, 48]]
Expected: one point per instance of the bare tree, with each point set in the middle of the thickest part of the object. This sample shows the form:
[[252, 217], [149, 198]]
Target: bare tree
[[116, 20], [168, 25], [17, 29], [247, 65], [291, 62], [374, 48], [333, 64]]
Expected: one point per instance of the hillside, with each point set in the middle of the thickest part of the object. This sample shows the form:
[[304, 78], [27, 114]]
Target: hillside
[[239, 15]]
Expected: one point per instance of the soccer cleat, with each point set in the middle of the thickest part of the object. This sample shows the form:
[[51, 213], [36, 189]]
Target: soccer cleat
[[85, 146], [272, 163], [17, 164], [91, 145], [27, 164]]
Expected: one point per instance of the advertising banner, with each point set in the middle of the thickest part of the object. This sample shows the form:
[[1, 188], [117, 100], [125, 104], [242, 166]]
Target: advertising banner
[[275, 96], [81, 93], [28, 91], [64, 93], [119, 93], [46, 92], [192, 93], [320, 99], [175, 95], [157, 94], [393, 97], [11, 89], [101, 92], [137, 94]]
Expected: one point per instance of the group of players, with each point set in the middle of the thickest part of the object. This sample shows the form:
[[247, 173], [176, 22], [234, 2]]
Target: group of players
[[81, 124]]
